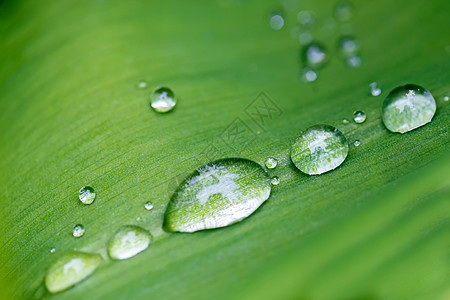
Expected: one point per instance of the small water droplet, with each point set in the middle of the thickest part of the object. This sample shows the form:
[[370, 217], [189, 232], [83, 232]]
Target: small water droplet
[[319, 149], [309, 75], [87, 195], [139, 219], [216, 195], [271, 163], [276, 20], [142, 84], [357, 143], [348, 46], [345, 121], [52, 250], [445, 98], [128, 241], [305, 18], [78, 230], [359, 116], [343, 11], [275, 180], [408, 107], [354, 61], [71, 269], [148, 206], [162, 100], [305, 37], [314, 55], [374, 90]]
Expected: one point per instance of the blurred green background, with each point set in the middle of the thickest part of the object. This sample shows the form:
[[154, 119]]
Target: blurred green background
[[71, 115]]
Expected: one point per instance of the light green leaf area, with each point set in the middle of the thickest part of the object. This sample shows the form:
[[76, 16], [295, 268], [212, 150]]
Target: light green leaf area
[[72, 114]]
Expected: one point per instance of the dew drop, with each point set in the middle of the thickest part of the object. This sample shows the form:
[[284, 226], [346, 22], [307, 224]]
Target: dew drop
[[359, 116], [71, 269], [128, 241], [276, 20], [445, 98], [374, 90], [408, 107], [162, 100], [357, 143], [343, 11], [216, 195], [305, 18], [354, 61], [314, 55], [309, 75], [78, 230], [348, 46], [271, 163], [319, 149], [87, 195], [275, 180], [53, 250], [148, 206], [305, 37], [142, 84], [345, 121]]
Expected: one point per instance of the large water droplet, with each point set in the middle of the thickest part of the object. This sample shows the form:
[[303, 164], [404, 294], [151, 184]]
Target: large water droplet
[[148, 205], [319, 149], [408, 107], [128, 241], [71, 269], [216, 195], [78, 230], [271, 163], [374, 90], [276, 20], [87, 195], [314, 55], [359, 116], [162, 100]]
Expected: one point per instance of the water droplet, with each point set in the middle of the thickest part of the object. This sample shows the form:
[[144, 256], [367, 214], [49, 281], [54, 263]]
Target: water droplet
[[52, 250], [275, 180], [314, 55], [357, 143], [128, 241], [142, 84], [408, 107], [345, 121], [276, 20], [319, 149], [162, 100], [217, 195], [78, 230], [305, 18], [348, 46], [305, 37], [354, 61], [148, 206], [359, 116], [374, 90], [87, 195], [271, 163], [343, 11], [309, 75], [71, 269], [139, 219], [445, 98]]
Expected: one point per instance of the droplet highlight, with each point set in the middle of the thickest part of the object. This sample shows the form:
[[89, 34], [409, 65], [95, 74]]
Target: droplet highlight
[[319, 149], [128, 241], [87, 195], [78, 230], [148, 205], [71, 269], [163, 100], [216, 195], [271, 163], [408, 107]]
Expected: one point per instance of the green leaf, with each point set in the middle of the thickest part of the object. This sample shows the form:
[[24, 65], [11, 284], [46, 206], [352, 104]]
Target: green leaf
[[72, 115]]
